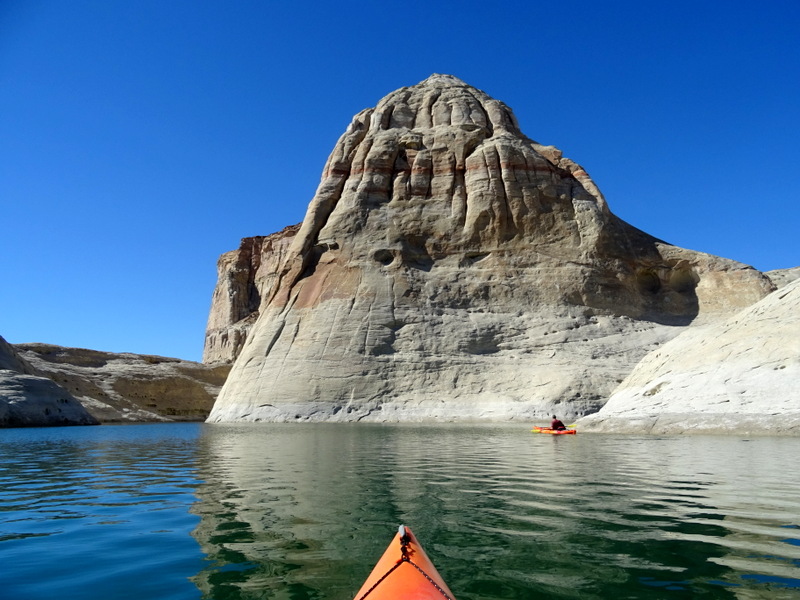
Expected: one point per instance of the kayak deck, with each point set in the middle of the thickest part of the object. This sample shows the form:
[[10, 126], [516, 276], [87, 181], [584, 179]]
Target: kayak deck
[[554, 431], [404, 572]]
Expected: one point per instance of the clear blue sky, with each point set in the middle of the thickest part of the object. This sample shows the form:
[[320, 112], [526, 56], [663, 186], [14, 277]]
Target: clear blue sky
[[139, 140]]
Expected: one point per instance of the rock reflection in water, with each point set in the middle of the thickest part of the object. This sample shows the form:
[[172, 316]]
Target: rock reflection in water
[[304, 511], [290, 499]]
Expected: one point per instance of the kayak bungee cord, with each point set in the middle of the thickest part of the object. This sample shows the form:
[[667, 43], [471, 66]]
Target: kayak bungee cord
[[405, 540]]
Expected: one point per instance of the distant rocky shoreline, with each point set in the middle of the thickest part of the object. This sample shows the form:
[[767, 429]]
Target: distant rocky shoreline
[[449, 268], [43, 385]]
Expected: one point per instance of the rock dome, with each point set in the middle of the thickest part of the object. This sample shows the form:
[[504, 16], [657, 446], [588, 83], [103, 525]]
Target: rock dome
[[450, 268]]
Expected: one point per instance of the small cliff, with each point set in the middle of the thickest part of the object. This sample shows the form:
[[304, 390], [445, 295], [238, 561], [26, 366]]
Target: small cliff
[[451, 268]]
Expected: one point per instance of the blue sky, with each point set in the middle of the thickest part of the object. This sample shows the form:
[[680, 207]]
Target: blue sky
[[141, 140]]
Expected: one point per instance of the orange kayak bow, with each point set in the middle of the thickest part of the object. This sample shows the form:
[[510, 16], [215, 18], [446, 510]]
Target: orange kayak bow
[[404, 572]]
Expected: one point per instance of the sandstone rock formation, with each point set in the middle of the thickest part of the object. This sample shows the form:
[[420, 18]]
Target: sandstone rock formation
[[782, 277], [449, 267], [28, 400], [10, 360], [125, 387], [244, 277], [739, 375]]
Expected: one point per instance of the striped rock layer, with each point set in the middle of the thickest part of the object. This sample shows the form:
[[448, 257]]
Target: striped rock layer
[[450, 268]]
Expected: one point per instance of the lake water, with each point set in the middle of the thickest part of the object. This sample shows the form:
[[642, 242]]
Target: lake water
[[303, 511]]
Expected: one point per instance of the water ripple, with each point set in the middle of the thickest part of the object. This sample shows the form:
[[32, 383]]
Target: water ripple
[[303, 512], [504, 513], [85, 515]]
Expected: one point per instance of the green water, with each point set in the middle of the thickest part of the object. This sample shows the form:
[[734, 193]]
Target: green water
[[300, 511]]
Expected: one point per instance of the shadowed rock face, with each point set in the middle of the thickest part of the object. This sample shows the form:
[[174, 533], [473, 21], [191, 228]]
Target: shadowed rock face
[[738, 375], [449, 267]]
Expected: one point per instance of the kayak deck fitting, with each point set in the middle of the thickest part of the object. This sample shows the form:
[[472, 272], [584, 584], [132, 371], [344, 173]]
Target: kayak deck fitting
[[404, 572]]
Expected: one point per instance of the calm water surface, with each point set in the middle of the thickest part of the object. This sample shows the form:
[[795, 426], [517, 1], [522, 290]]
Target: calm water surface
[[304, 511]]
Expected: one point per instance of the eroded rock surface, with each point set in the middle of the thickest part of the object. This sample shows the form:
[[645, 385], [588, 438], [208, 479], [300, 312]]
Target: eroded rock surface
[[30, 400], [449, 267], [782, 277], [244, 277], [124, 387], [739, 375]]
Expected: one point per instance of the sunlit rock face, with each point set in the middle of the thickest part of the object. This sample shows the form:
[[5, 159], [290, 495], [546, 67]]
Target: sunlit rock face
[[782, 277], [449, 267], [29, 400], [245, 276], [738, 375], [43, 385], [126, 387]]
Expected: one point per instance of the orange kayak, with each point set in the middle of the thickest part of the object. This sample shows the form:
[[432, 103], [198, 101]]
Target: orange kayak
[[554, 431], [404, 572]]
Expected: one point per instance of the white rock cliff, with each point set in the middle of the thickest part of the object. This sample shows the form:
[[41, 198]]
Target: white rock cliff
[[450, 268]]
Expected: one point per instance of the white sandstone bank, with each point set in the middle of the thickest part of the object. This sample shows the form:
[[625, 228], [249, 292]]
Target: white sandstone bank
[[738, 376]]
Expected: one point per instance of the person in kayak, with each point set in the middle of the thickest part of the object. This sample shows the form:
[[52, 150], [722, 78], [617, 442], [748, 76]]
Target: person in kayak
[[556, 424]]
